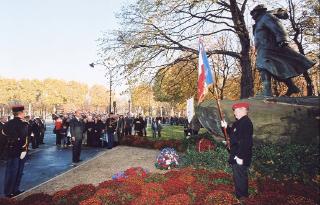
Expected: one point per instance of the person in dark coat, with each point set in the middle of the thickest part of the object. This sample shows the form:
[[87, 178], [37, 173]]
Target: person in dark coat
[[3, 140], [241, 143], [111, 125], [16, 133], [90, 131], [77, 128], [128, 123], [274, 57], [138, 123]]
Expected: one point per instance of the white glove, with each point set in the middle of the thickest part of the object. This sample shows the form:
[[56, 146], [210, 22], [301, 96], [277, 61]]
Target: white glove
[[23, 155], [238, 160], [224, 124]]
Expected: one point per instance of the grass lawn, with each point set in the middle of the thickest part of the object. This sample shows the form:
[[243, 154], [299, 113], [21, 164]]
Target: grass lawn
[[171, 132]]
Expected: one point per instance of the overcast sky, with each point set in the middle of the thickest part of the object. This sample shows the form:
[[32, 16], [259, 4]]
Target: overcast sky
[[54, 38]]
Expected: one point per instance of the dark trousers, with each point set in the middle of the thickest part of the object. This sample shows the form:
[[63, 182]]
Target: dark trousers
[[76, 150], [240, 178], [110, 140], [34, 141], [128, 131], [13, 175], [58, 139]]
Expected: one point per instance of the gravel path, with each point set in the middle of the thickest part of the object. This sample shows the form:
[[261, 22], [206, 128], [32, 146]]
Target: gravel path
[[100, 168]]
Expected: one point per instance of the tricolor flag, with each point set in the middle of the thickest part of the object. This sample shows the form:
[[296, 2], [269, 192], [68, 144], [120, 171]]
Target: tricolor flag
[[205, 77]]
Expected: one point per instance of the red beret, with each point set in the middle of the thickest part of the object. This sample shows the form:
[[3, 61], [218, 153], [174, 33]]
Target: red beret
[[240, 104], [17, 108]]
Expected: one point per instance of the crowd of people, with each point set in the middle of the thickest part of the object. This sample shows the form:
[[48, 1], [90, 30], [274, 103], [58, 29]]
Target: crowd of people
[[106, 130]]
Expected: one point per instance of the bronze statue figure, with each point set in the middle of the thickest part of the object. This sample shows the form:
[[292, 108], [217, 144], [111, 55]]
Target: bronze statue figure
[[274, 57]]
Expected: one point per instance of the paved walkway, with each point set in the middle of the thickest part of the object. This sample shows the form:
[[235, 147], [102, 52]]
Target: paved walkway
[[99, 168], [47, 161]]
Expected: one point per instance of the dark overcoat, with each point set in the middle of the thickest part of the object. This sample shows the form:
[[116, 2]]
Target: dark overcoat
[[282, 62], [77, 128], [241, 140]]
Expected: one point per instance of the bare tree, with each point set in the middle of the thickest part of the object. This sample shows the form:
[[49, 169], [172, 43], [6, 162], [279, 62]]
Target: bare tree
[[158, 34], [303, 16]]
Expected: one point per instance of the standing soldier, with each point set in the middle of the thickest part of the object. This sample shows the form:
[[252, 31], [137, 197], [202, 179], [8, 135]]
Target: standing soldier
[[241, 142], [16, 133], [77, 128], [3, 142]]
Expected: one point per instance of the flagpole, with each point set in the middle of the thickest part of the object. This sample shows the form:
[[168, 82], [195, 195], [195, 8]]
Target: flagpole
[[205, 78], [226, 136]]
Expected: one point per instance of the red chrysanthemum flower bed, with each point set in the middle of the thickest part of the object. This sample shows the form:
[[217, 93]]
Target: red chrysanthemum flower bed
[[185, 186], [91, 201], [178, 199], [218, 197]]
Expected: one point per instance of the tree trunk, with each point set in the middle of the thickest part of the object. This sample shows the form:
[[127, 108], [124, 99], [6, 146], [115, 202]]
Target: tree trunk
[[245, 60], [276, 120]]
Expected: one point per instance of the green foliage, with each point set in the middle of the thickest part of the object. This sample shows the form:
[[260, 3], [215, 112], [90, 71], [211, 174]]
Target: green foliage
[[289, 161], [222, 181], [300, 162], [217, 159]]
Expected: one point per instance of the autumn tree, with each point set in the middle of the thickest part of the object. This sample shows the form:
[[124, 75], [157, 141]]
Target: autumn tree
[[177, 83]]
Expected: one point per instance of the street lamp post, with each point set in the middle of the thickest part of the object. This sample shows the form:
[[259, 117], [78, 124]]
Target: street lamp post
[[129, 101], [110, 82]]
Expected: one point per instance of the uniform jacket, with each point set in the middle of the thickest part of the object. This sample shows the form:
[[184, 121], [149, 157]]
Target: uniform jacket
[[77, 128], [16, 132], [241, 140], [282, 62], [111, 125]]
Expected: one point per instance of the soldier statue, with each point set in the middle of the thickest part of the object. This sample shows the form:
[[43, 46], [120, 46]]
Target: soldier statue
[[274, 57]]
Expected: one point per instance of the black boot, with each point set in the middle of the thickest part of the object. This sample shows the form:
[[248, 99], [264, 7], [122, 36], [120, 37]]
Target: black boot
[[292, 88]]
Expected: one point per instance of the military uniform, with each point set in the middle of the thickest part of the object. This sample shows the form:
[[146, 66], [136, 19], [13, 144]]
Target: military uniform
[[16, 132], [241, 143], [111, 125]]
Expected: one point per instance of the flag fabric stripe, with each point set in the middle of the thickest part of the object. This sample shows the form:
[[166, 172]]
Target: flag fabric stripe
[[205, 77]]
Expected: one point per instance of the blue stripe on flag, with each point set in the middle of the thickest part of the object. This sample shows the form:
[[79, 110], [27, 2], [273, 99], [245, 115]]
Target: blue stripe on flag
[[208, 72]]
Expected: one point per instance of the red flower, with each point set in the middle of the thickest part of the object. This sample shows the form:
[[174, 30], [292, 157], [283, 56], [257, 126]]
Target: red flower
[[297, 200], [175, 186], [38, 198], [106, 195], [152, 190], [178, 199], [136, 171], [60, 197], [172, 174], [91, 201], [222, 187], [133, 189], [197, 191], [80, 193], [109, 184], [146, 200], [220, 175], [220, 198], [267, 198], [186, 178], [204, 145]]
